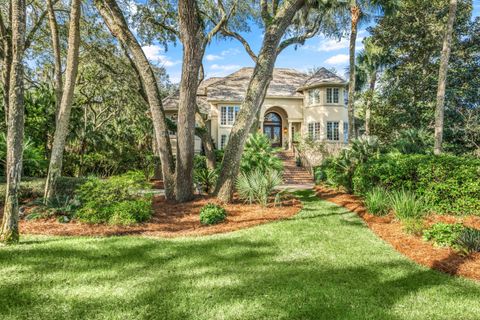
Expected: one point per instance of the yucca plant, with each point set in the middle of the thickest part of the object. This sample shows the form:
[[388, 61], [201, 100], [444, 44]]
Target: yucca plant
[[206, 179], [469, 240], [407, 205], [377, 201], [257, 186]]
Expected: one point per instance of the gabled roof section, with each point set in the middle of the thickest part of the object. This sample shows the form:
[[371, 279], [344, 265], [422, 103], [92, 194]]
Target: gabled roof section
[[321, 77], [233, 87]]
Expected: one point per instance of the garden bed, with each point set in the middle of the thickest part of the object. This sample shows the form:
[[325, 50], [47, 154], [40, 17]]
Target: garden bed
[[414, 247], [171, 220]]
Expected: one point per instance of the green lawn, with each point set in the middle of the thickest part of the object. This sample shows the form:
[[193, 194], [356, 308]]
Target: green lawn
[[323, 264]]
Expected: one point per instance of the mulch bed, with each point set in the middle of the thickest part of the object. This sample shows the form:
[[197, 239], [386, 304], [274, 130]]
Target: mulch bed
[[172, 220], [422, 252]]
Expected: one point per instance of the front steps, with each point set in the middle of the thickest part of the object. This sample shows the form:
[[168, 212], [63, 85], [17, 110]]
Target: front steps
[[292, 174]]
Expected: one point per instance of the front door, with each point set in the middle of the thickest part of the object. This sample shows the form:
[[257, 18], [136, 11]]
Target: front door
[[272, 128]]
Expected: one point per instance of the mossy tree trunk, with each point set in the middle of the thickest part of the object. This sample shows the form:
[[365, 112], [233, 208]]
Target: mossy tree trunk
[[442, 78], [15, 125], [63, 118], [193, 40], [276, 27], [57, 58], [355, 17], [118, 26]]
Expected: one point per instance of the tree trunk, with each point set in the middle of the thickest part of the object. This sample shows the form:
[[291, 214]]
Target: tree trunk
[[58, 83], [7, 63], [61, 130], [368, 109], [157, 165], [207, 142], [117, 24], [442, 77], [192, 37], [355, 13], [9, 229], [261, 77]]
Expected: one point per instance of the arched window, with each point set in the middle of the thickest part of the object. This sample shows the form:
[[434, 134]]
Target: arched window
[[272, 118]]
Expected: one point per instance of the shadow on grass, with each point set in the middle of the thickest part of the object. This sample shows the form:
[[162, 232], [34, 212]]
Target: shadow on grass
[[247, 275]]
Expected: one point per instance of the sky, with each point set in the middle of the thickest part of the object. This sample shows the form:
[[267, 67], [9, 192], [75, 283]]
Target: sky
[[226, 56]]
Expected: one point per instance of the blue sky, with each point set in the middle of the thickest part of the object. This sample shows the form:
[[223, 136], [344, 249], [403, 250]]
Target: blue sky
[[226, 56]]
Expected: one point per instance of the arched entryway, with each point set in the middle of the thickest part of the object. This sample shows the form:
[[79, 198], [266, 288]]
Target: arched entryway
[[272, 128]]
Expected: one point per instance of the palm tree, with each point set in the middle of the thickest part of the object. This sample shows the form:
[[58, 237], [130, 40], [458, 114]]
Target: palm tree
[[442, 77], [369, 62], [361, 11]]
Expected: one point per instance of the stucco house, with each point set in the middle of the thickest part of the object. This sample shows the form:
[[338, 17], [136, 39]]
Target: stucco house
[[313, 105]]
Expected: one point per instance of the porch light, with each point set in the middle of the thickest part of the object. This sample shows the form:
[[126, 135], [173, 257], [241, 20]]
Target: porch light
[[285, 130]]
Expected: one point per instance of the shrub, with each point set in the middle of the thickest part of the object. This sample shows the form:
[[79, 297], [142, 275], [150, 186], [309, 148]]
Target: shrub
[[206, 179], [115, 200], [257, 186], [339, 171], [212, 214], [468, 240], [259, 154], [414, 141], [443, 234], [377, 202], [199, 162], [450, 184], [407, 205], [413, 226], [34, 162]]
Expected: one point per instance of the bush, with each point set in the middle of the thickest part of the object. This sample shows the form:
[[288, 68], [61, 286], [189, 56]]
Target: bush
[[212, 214], [259, 154], [114, 200], [35, 187], [257, 186], [407, 205], [468, 240], [339, 171], [413, 226], [443, 234], [450, 184], [206, 179], [377, 202], [414, 141], [34, 162]]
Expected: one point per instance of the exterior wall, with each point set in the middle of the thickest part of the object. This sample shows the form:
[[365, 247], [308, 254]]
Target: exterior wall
[[173, 137]]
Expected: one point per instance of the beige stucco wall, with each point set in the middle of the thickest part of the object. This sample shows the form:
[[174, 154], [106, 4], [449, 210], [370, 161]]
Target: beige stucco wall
[[295, 113]]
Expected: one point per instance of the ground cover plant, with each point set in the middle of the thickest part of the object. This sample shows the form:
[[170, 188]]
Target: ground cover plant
[[298, 268], [378, 201], [212, 214]]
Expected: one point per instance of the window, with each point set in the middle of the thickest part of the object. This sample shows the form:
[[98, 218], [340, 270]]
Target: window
[[345, 98], [223, 141], [332, 95], [314, 130], [314, 96], [332, 131], [228, 115], [345, 132]]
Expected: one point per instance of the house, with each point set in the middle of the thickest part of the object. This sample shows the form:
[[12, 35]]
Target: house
[[295, 102]]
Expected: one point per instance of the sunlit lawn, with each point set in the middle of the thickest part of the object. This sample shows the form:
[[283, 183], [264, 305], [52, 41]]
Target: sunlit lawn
[[323, 264]]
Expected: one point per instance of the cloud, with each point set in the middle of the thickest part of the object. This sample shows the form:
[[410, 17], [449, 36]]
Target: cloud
[[224, 67], [213, 57], [230, 52], [327, 45], [337, 59], [156, 54]]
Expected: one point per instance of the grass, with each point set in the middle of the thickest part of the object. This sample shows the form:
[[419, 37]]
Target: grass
[[322, 264]]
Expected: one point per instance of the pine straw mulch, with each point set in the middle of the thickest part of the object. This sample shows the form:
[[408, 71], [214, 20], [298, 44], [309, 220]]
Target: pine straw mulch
[[172, 220], [420, 251]]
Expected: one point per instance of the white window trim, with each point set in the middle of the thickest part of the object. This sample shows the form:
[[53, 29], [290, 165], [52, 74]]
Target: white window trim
[[333, 132], [234, 115], [333, 100]]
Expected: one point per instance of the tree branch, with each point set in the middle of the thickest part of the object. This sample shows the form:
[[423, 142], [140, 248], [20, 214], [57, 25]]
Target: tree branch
[[242, 40], [223, 20], [264, 12], [300, 39], [36, 26]]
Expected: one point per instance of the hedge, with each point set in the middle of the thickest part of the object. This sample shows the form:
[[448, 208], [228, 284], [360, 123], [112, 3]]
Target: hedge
[[450, 184]]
